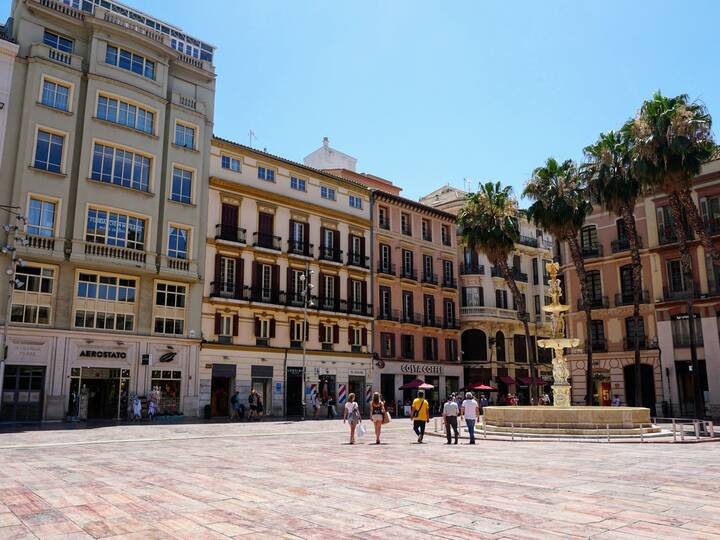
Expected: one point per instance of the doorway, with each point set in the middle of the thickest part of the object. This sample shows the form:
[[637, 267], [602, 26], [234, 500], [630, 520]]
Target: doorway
[[99, 393], [387, 389], [22, 393], [647, 385], [221, 388], [602, 391], [293, 391], [356, 385], [686, 390]]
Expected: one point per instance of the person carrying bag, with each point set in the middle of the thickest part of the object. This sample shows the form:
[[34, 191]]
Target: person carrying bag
[[420, 414]]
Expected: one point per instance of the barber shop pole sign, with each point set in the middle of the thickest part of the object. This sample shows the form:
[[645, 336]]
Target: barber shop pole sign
[[342, 394], [368, 393]]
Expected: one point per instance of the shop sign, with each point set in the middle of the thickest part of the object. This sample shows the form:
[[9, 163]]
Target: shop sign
[[357, 372], [421, 369], [102, 354]]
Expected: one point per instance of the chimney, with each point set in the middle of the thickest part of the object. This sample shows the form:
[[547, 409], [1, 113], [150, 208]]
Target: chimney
[[326, 142]]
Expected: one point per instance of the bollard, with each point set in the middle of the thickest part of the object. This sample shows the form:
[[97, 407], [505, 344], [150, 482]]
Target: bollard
[[711, 429], [696, 425], [608, 431], [512, 431], [682, 432], [674, 432], [642, 434]]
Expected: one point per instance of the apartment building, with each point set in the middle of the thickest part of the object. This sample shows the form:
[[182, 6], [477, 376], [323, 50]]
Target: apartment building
[[606, 251], [8, 51], [275, 225], [493, 348], [112, 113]]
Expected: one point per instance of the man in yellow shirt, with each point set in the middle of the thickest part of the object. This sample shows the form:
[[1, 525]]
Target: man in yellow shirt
[[420, 414]]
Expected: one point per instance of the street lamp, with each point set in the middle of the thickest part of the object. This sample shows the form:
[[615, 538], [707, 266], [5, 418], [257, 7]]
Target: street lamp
[[14, 240], [307, 302]]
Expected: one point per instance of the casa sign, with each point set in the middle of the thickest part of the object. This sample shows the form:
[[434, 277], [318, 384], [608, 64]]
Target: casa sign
[[420, 369]]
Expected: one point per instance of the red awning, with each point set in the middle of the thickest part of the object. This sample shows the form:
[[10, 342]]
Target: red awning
[[507, 379], [526, 381], [478, 386], [417, 384]]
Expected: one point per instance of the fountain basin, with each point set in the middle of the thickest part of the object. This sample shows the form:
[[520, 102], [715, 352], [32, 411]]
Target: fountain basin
[[569, 420]]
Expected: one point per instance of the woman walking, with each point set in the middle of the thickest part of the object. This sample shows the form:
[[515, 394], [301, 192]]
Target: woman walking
[[351, 415], [377, 414]]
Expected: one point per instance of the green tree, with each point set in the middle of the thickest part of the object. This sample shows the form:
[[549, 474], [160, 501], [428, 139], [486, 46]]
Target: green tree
[[670, 140], [609, 176], [488, 223], [560, 207]]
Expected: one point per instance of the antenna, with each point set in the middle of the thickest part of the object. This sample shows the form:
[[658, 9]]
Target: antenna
[[467, 184], [251, 136]]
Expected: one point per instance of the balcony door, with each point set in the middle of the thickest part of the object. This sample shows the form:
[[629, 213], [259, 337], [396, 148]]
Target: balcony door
[[229, 217]]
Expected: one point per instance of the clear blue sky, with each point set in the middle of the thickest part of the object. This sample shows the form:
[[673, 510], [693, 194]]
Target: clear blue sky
[[424, 93]]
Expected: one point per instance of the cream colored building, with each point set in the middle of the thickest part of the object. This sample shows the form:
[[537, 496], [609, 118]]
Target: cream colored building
[[111, 114], [8, 51], [273, 222]]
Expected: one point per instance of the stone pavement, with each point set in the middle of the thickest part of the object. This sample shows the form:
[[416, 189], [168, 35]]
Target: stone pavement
[[300, 480]]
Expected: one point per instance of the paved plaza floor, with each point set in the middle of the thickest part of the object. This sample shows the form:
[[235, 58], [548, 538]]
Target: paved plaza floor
[[301, 480]]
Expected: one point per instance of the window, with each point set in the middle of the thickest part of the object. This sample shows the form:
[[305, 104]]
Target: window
[[428, 266], [355, 201], [263, 328], [520, 346], [327, 193], [227, 275], [355, 336], [327, 333], [115, 229], [356, 291], [597, 335], [230, 163], [472, 297], [426, 229], [407, 346], [500, 346], [501, 298], [105, 301], [266, 282], [125, 114], [184, 136], [41, 217], [594, 285], [181, 185], [51, 39], [408, 305], [536, 272], [356, 246], [178, 238], [49, 151], [451, 354], [328, 239], [449, 311], [405, 224], [296, 330], [383, 217], [226, 325], [387, 345], [429, 302], [120, 167], [680, 326], [385, 302], [445, 234], [630, 332], [297, 183], [170, 295], [448, 272], [55, 95], [129, 61], [430, 348], [385, 257], [676, 277], [589, 239], [407, 261], [329, 287], [32, 297], [166, 325], [265, 173]]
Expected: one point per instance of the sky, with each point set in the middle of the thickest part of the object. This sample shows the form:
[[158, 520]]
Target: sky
[[428, 93]]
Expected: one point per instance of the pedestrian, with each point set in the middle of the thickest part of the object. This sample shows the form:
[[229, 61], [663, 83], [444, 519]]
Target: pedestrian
[[483, 403], [351, 415], [331, 406], [470, 412], [252, 401], [235, 404], [259, 405], [377, 414], [450, 414], [314, 403], [616, 401], [420, 411]]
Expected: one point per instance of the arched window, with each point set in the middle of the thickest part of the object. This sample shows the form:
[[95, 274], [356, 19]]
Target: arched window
[[474, 346], [500, 346]]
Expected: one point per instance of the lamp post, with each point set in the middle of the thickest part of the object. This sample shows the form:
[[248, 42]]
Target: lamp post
[[307, 302], [11, 247]]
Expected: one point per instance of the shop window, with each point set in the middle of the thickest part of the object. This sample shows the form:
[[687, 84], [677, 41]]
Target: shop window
[[166, 390], [32, 297]]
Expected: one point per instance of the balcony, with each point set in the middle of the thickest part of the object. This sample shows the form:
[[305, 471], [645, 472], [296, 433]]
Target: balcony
[[384, 224], [431, 279], [386, 268], [451, 324], [357, 259], [267, 241], [529, 241], [359, 308], [330, 254], [303, 249], [115, 252], [514, 272], [40, 243], [411, 318], [267, 296], [295, 299], [471, 269], [597, 302], [670, 294], [406, 230], [446, 241], [178, 264], [629, 343], [487, 311], [229, 290], [389, 315], [449, 282], [427, 237], [599, 345], [590, 251], [406, 273], [432, 321], [626, 298], [229, 233], [623, 244], [682, 340]]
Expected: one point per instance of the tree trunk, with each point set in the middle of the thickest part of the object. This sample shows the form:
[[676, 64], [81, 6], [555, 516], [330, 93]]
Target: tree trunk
[[686, 262], [698, 225], [632, 235], [579, 262], [524, 317]]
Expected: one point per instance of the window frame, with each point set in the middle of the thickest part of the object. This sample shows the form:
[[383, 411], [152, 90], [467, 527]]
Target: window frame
[[300, 183], [53, 133], [114, 160], [191, 195], [122, 100], [97, 301], [59, 37], [231, 159], [355, 201], [43, 199], [110, 210], [269, 173], [188, 241], [328, 190], [152, 64], [186, 126], [70, 87], [24, 293]]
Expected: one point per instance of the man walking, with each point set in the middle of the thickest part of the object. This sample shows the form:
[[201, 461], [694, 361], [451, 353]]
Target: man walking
[[470, 412], [450, 414], [420, 411]]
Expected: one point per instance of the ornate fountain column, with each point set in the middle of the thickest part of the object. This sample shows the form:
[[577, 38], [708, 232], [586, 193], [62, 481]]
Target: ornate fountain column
[[558, 342]]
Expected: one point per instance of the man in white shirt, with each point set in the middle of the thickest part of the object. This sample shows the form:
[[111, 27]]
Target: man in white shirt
[[450, 414], [470, 411]]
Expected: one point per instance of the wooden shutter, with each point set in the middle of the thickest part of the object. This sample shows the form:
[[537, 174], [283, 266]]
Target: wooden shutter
[[349, 292], [336, 282], [229, 216], [336, 333], [435, 348], [392, 345], [463, 296], [265, 223], [364, 336], [362, 250], [306, 334], [218, 257], [239, 275], [289, 287], [306, 236], [336, 245], [257, 327], [292, 229], [321, 332], [350, 335], [255, 275], [350, 243], [236, 324], [272, 328], [364, 294], [275, 278], [322, 238], [218, 324]]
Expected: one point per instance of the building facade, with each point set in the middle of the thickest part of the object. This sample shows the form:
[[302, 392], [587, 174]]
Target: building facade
[[112, 112], [8, 52], [493, 348], [275, 225]]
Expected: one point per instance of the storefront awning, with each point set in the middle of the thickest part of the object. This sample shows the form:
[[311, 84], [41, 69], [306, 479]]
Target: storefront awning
[[507, 379], [526, 381], [417, 384]]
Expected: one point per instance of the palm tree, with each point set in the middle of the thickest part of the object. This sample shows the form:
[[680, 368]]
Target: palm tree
[[489, 223], [612, 184], [561, 206], [670, 140]]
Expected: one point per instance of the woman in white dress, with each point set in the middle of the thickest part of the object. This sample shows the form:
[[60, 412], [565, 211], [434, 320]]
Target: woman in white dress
[[351, 415]]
